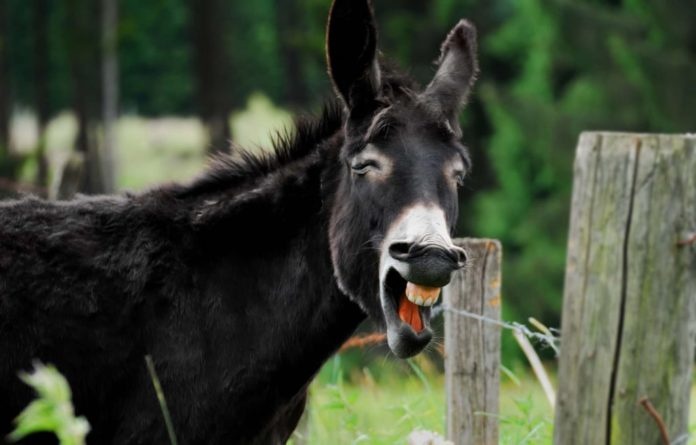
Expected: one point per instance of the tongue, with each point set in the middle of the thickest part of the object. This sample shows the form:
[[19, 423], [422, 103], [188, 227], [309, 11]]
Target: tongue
[[409, 313]]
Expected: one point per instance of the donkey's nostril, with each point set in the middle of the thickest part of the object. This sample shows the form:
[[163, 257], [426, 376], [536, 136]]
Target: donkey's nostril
[[400, 251], [409, 252], [461, 256]]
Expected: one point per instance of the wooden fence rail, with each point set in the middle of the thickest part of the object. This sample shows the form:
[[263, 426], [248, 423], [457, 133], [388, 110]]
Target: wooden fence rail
[[472, 347], [629, 310]]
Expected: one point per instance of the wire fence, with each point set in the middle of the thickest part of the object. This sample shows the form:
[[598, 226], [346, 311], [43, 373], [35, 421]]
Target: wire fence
[[544, 336]]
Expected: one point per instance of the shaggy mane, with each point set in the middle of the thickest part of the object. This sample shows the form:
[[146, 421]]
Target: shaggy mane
[[230, 170], [226, 171]]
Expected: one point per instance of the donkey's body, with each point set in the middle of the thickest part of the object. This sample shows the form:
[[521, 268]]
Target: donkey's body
[[238, 314], [243, 283]]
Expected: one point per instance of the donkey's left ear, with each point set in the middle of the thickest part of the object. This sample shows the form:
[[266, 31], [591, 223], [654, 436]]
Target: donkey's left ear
[[457, 71], [351, 52]]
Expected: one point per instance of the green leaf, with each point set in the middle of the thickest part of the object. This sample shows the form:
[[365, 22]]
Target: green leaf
[[52, 411]]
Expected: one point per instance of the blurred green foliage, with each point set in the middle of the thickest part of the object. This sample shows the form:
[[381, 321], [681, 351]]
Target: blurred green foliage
[[574, 66], [155, 66], [52, 411], [549, 70]]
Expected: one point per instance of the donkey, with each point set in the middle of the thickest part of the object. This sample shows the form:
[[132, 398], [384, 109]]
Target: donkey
[[241, 284]]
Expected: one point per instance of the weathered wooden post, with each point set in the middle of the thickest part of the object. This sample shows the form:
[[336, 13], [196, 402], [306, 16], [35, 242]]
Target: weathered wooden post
[[472, 347], [629, 314]]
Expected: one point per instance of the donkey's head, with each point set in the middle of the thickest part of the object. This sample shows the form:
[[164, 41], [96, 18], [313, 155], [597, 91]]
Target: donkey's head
[[401, 165]]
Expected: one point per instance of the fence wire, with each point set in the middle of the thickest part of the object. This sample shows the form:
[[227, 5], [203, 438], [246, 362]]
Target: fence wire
[[549, 337]]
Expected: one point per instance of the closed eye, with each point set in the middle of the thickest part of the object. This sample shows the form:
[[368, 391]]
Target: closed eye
[[363, 166], [459, 176]]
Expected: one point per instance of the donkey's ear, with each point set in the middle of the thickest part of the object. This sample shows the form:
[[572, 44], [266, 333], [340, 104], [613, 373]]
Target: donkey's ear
[[351, 46], [456, 73]]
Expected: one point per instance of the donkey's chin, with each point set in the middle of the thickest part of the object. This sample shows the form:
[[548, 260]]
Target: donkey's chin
[[408, 324]]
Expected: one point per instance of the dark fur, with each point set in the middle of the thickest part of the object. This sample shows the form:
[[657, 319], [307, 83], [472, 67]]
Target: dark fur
[[226, 283], [239, 285]]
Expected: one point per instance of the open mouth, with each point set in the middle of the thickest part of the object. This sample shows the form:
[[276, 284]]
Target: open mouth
[[407, 310]]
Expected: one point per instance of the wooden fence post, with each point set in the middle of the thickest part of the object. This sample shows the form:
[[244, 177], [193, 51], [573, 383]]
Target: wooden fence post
[[472, 348], [629, 310]]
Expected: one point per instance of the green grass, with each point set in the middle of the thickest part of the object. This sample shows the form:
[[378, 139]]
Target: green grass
[[692, 413], [385, 410], [362, 409]]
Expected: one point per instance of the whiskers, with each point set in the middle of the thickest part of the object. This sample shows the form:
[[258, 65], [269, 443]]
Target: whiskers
[[436, 346]]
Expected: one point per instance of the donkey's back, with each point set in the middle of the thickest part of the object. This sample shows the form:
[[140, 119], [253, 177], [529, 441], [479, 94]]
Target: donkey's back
[[80, 282]]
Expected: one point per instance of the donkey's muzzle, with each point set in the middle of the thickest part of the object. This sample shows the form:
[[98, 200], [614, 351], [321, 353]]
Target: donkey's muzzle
[[427, 264]]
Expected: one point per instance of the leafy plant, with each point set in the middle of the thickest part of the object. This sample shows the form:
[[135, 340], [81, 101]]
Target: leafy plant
[[52, 411]]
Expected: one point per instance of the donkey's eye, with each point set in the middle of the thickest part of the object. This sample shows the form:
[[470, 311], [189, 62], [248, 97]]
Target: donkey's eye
[[459, 176], [364, 166]]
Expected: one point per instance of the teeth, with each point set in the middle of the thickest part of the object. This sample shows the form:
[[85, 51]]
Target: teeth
[[421, 295]]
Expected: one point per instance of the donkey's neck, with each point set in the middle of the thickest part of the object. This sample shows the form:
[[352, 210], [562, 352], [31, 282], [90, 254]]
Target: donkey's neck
[[319, 317], [313, 316], [274, 277]]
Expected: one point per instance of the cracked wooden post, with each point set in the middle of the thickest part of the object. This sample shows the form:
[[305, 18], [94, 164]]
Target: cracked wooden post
[[472, 348], [629, 309]]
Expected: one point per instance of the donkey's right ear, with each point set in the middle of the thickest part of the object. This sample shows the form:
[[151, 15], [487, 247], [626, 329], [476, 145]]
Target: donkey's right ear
[[351, 52], [456, 74]]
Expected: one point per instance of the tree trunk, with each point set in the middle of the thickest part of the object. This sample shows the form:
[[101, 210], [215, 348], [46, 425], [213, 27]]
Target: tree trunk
[[41, 97], [210, 71], [84, 60], [4, 86], [289, 32], [69, 178], [109, 90]]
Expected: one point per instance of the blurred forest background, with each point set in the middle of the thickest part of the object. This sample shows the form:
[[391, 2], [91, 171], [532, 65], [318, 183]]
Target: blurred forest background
[[122, 94], [108, 95]]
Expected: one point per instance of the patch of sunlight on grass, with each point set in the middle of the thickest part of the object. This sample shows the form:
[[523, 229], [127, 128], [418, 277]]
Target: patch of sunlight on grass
[[256, 125], [151, 151], [23, 131], [386, 410]]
